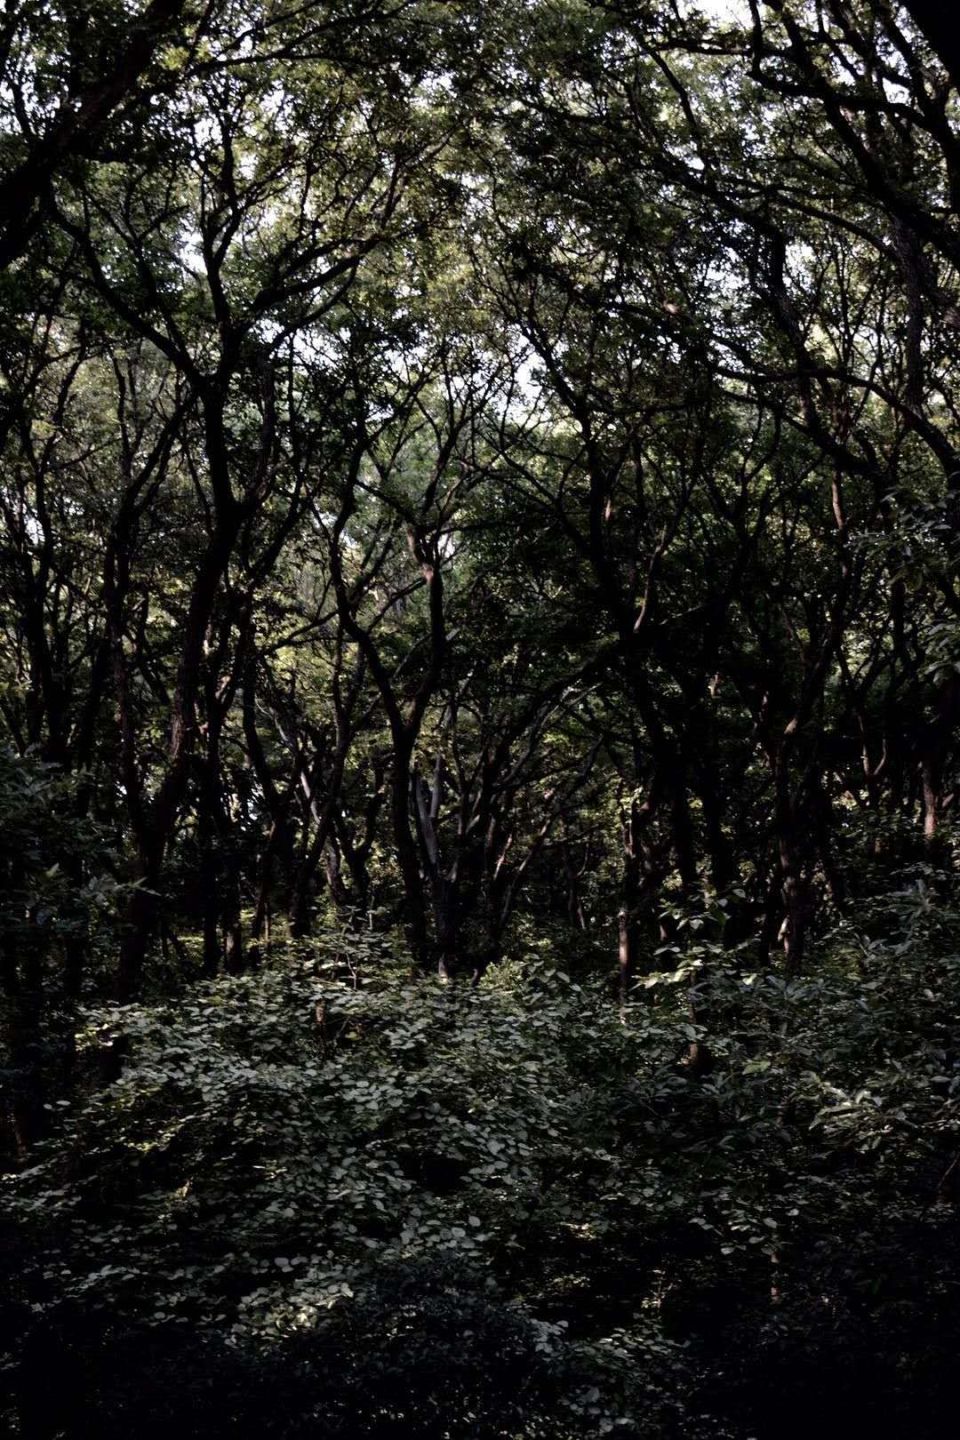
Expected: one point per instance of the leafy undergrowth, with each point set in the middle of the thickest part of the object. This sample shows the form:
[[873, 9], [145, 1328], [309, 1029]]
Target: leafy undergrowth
[[304, 1206]]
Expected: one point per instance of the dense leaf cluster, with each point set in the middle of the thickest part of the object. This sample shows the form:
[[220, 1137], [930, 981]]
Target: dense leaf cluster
[[511, 1210]]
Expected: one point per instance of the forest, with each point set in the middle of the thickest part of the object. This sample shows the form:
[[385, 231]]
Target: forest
[[479, 707]]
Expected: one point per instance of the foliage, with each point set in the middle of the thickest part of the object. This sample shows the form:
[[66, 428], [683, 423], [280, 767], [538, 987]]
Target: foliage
[[479, 500], [41, 842], [58, 901], [514, 1208]]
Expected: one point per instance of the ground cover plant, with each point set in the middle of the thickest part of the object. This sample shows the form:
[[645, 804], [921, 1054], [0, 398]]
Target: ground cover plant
[[504, 1210]]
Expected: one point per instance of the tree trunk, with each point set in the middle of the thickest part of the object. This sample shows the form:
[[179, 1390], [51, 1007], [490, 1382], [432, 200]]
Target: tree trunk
[[414, 909], [627, 916]]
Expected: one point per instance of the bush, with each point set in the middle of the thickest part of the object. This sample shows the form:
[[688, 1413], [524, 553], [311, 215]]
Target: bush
[[514, 1210]]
